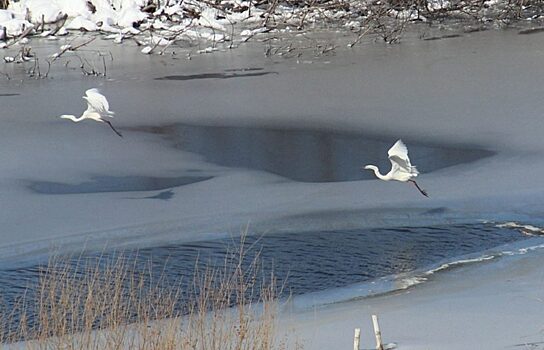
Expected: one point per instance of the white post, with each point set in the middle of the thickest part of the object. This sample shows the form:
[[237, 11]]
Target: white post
[[377, 333], [357, 339]]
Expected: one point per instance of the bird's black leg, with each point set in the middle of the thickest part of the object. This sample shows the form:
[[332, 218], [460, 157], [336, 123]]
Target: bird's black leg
[[111, 126], [423, 192]]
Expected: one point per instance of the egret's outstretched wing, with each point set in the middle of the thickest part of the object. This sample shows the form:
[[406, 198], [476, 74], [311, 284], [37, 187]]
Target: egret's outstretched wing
[[398, 155], [398, 149], [96, 102], [403, 165]]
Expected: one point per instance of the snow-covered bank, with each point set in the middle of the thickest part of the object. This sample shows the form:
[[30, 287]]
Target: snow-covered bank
[[497, 305], [165, 26], [154, 25]]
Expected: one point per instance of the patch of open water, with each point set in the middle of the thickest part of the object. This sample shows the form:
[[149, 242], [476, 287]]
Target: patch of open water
[[307, 155], [303, 263]]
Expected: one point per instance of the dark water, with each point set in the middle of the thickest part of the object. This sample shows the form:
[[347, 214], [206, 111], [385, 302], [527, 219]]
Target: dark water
[[117, 184], [309, 155], [231, 74], [303, 263]]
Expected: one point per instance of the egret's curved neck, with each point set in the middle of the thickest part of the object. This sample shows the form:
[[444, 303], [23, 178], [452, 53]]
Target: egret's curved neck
[[376, 172], [72, 118]]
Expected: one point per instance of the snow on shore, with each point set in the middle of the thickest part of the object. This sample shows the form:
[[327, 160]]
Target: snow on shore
[[162, 23], [490, 306], [153, 26]]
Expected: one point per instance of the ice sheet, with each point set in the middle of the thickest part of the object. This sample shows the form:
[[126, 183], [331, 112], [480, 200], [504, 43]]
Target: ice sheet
[[479, 90]]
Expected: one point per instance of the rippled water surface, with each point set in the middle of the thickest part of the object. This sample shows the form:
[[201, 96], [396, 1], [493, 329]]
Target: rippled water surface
[[308, 262]]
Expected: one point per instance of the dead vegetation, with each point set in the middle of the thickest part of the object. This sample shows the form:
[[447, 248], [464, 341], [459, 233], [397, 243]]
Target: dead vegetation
[[73, 55], [174, 24], [100, 303]]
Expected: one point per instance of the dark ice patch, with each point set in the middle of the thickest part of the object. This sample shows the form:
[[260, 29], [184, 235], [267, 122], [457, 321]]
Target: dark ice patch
[[243, 69], [531, 31], [164, 195], [227, 75], [449, 36], [100, 184]]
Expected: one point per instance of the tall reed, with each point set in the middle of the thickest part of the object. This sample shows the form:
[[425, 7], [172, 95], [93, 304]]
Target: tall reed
[[119, 303]]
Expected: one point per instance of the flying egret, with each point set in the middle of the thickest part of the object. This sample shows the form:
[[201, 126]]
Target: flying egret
[[97, 109], [401, 168]]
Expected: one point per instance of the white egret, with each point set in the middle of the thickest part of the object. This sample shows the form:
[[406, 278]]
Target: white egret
[[97, 109], [401, 168]]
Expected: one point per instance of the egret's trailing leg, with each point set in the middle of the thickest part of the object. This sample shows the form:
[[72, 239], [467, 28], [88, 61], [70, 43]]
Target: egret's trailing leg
[[423, 192], [111, 126]]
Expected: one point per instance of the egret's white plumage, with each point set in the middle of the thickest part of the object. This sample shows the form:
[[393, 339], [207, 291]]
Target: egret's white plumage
[[401, 167], [98, 108]]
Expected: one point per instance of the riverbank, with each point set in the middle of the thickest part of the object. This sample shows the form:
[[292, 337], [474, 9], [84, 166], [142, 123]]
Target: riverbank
[[488, 306], [157, 25]]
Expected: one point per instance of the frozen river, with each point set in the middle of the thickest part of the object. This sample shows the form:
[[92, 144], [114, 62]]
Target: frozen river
[[235, 138]]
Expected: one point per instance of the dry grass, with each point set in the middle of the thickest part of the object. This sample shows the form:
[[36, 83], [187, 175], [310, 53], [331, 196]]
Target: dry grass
[[100, 303]]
